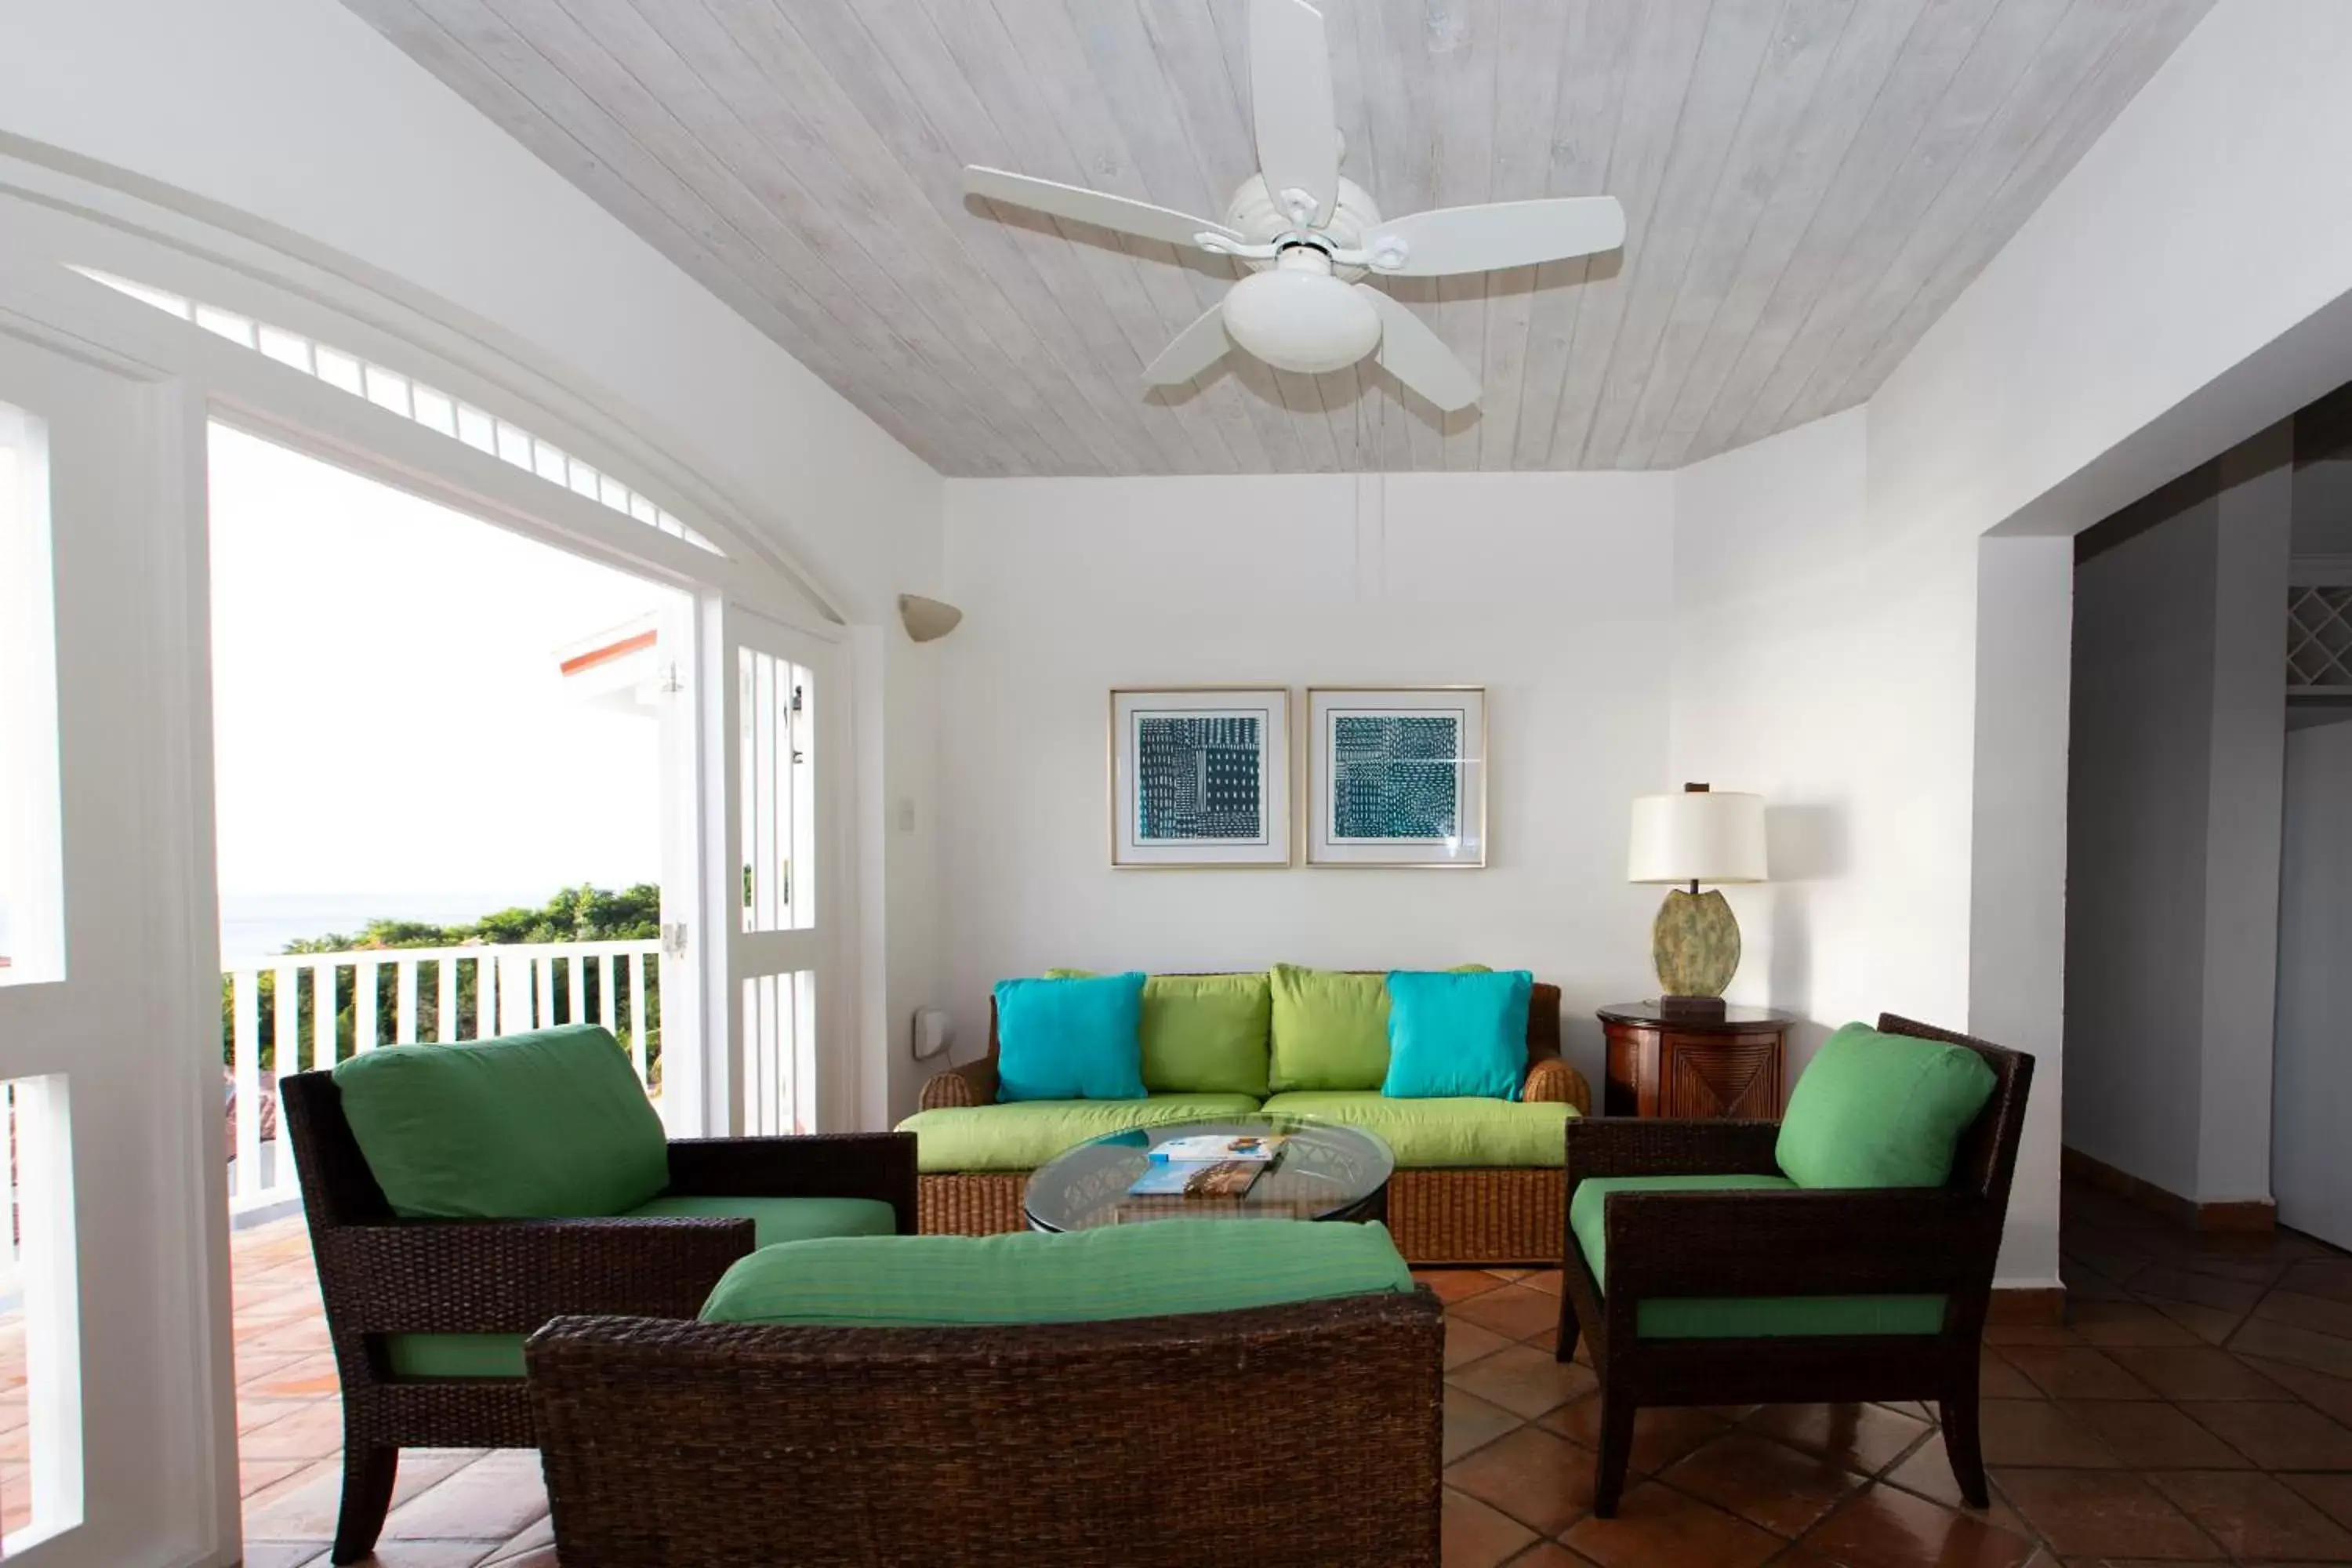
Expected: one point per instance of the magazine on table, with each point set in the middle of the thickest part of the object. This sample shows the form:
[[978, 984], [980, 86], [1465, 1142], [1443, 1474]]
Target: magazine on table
[[1197, 1179], [1254, 1148]]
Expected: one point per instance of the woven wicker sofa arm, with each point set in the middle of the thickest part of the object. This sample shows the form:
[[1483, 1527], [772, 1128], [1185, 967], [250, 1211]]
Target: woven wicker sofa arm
[[508, 1277], [1800, 1243], [1554, 1081], [819, 1165], [1645, 1146], [974, 1083]]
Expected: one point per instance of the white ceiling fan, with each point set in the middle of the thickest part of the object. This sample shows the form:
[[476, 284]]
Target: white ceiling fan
[[1310, 235]]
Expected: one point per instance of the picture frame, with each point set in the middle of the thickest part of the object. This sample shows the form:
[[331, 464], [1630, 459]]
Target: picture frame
[[1396, 776], [1200, 777]]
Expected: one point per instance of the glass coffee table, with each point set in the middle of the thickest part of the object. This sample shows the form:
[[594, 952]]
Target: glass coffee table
[[1324, 1172]]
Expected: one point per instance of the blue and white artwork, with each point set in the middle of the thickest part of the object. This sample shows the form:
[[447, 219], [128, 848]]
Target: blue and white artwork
[[1200, 778], [1396, 777]]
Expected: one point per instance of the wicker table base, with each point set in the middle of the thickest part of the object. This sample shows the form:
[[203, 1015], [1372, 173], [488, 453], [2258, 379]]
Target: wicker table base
[[1494, 1216]]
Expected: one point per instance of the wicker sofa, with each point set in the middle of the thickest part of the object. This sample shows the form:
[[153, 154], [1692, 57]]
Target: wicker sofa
[[1439, 1212]]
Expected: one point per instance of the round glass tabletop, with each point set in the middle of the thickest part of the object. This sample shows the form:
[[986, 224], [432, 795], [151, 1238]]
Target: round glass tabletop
[[1323, 1170]]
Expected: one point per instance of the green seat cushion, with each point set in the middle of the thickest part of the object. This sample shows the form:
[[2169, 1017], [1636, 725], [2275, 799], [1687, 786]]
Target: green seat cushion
[[1024, 1135], [1873, 1110], [1202, 1033], [773, 1221], [1431, 1134], [1167, 1267], [535, 1126], [1740, 1317], [1331, 1027]]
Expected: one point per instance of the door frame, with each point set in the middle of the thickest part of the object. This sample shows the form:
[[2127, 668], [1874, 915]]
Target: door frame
[[200, 379]]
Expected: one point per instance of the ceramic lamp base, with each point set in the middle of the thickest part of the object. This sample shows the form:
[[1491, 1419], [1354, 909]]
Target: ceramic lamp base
[[1695, 943]]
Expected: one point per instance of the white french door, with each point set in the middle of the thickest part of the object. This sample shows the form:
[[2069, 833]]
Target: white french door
[[780, 879], [114, 1243]]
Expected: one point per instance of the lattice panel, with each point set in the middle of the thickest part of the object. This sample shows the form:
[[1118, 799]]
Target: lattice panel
[[2319, 638]]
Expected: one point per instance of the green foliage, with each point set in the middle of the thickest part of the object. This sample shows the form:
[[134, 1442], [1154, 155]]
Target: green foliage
[[575, 914]]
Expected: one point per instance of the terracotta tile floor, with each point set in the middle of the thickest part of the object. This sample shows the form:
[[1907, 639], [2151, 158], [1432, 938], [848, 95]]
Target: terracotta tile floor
[[2196, 1407]]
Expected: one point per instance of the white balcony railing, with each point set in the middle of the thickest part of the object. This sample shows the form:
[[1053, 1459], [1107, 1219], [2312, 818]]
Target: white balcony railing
[[294, 1012]]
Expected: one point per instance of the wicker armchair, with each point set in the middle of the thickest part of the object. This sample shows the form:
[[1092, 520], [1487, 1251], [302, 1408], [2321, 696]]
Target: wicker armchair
[[1908, 1241], [379, 1276], [1304, 1435]]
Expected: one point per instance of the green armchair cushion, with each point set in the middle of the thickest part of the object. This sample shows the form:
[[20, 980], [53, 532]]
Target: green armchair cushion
[[543, 1125], [1434, 1134], [1165, 1268], [1202, 1033], [773, 1220], [1873, 1110], [1023, 1136], [1738, 1317]]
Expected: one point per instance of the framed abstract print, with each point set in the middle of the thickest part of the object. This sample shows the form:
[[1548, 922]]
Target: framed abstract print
[[1200, 776], [1396, 775]]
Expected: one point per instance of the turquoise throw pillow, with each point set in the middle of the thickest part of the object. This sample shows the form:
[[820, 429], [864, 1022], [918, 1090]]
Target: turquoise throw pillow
[[1070, 1039], [1454, 1035], [1876, 1109]]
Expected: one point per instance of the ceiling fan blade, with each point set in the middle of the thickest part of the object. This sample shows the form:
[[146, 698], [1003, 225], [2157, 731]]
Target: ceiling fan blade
[[1500, 234], [1290, 97], [1097, 207], [1413, 353], [1196, 348]]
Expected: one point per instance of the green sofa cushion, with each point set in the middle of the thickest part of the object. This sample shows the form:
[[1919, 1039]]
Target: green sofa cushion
[[773, 1221], [533, 1126], [1023, 1136], [1873, 1109], [1202, 1033], [1331, 1028], [1740, 1317], [1431, 1134], [1168, 1268]]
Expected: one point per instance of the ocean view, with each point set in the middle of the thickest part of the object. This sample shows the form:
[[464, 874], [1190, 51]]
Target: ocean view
[[260, 925]]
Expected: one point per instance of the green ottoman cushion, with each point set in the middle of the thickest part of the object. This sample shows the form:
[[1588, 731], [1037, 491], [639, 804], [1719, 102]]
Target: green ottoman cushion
[[1873, 1109], [1435, 1134], [1202, 1033], [1740, 1317], [1164, 1268], [532, 1126], [773, 1221], [1023, 1136]]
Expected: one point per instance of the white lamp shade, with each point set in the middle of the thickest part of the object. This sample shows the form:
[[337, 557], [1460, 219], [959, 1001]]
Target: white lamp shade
[[1700, 836]]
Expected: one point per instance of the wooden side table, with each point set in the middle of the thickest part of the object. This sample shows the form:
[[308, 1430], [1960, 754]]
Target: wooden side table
[[1685, 1064]]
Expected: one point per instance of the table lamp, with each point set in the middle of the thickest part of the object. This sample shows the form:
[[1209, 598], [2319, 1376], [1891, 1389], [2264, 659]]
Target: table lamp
[[1699, 836]]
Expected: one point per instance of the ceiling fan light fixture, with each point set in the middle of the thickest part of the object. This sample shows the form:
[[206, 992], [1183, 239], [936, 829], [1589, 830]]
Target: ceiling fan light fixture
[[1296, 316]]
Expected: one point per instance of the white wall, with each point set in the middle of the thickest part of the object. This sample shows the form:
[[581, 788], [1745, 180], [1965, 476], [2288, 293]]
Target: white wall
[[2315, 996], [1550, 590], [1774, 665], [2139, 801]]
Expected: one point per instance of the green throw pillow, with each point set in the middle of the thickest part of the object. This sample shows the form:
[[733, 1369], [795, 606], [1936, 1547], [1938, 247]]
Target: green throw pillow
[[1202, 1033], [546, 1125], [1873, 1110], [1331, 1028]]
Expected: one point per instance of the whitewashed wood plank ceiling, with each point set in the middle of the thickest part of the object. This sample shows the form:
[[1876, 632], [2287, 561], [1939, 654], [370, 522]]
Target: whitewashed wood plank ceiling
[[1807, 184]]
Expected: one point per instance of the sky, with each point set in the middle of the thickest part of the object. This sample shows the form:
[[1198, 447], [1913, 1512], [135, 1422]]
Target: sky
[[389, 725]]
